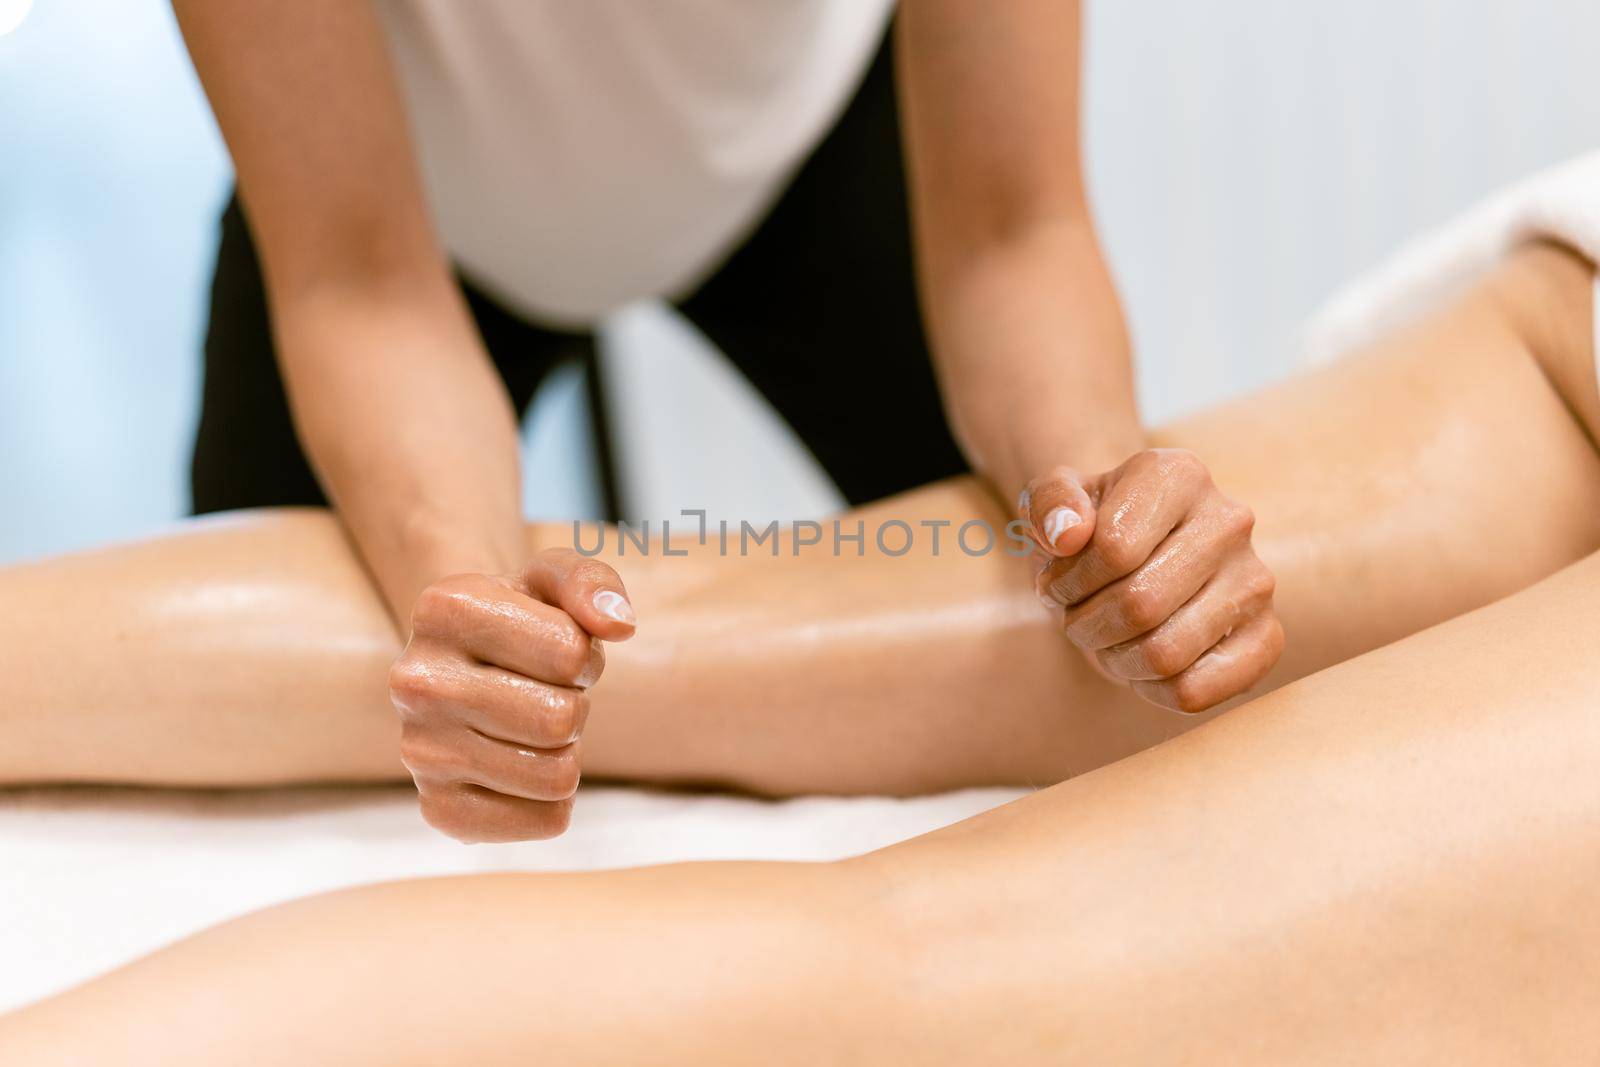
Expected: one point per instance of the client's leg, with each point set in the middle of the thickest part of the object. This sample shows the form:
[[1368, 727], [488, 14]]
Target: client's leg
[[1425, 475], [243, 649], [1429, 475], [1392, 861]]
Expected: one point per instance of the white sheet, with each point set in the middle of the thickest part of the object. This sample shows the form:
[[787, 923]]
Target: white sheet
[[91, 878]]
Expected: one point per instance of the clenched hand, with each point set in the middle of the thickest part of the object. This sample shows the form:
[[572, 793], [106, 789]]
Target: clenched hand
[[1156, 576], [492, 693]]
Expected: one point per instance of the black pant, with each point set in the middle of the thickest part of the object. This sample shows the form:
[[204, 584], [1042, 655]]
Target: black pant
[[817, 308]]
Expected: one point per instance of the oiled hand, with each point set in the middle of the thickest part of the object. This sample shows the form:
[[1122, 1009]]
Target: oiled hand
[[1157, 578], [492, 691]]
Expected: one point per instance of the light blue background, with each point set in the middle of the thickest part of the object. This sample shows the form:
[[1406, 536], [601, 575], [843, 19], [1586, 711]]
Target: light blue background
[[1244, 156], [112, 175]]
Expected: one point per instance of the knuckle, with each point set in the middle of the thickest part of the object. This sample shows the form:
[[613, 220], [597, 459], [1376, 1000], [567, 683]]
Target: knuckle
[[412, 683], [1274, 641], [1262, 584], [1113, 660], [412, 755], [565, 716], [1140, 606], [430, 602], [1063, 593], [445, 816], [1145, 460], [570, 651], [422, 755], [549, 820], [1189, 694], [1059, 473], [570, 567], [1060, 582], [1238, 519], [1184, 462], [561, 558], [561, 774], [1117, 547], [440, 605], [1162, 655], [561, 781], [1177, 465], [591, 572]]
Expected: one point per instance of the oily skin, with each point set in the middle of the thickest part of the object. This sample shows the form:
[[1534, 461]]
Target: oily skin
[[492, 693], [1157, 578], [252, 650], [1409, 841], [1240, 894], [1161, 585], [1362, 564], [424, 474]]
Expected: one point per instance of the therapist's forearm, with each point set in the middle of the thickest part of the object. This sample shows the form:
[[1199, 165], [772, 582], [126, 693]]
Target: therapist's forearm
[[394, 399], [408, 427], [1025, 324], [1034, 353]]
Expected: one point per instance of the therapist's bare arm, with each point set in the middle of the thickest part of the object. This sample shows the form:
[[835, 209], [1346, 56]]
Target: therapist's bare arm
[[1033, 353], [1026, 326], [402, 415], [394, 397]]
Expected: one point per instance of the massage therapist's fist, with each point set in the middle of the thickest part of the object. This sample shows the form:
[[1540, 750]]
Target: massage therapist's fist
[[1159, 584], [492, 693]]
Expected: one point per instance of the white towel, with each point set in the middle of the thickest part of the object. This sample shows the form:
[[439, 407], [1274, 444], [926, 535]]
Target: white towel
[[1561, 204], [90, 878]]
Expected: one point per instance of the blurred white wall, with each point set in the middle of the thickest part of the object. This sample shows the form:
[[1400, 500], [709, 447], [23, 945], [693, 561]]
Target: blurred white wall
[[1245, 157], [1248, 156], [110, 174]]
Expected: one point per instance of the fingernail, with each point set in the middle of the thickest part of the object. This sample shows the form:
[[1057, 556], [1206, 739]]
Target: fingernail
[[1058, 522], [1024, 499], [614, 605]]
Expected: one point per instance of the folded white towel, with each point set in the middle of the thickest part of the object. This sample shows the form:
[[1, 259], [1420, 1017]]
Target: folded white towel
[[1561, 204]]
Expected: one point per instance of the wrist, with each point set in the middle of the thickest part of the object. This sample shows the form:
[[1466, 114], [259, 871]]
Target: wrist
[[426, 549], [1088, 454]]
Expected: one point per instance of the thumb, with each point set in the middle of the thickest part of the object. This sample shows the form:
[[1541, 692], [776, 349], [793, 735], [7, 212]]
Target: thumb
[[587, 589], [1059, 511]]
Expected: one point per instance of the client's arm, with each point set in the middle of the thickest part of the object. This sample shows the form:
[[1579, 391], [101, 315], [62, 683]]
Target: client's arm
[[1414, 481]]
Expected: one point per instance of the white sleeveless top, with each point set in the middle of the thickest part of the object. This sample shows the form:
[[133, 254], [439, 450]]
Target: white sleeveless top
[[579, 154]]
